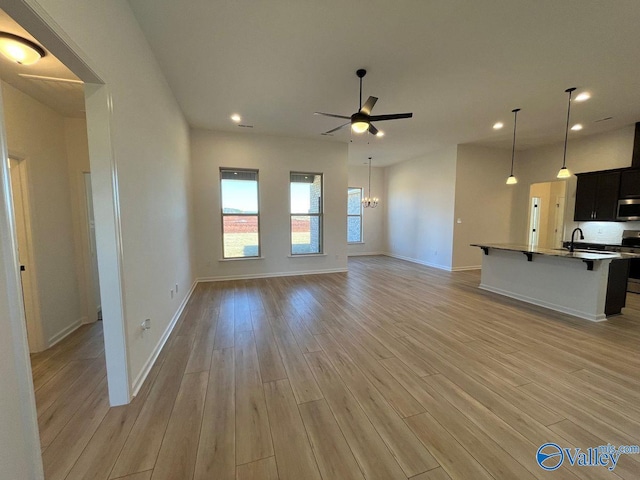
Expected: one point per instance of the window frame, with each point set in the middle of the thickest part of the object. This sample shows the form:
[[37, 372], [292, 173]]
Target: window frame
[[360, 215], [223, 214], [320, 215]]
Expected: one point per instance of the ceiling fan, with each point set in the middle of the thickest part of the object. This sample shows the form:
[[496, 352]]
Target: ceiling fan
[[361, 120]]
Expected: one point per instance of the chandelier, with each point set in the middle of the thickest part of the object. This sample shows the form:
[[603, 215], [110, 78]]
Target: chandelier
[[369, 201]]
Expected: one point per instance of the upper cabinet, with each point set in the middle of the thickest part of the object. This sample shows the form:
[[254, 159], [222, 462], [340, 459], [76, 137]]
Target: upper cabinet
[[597, 196], [630, 184]]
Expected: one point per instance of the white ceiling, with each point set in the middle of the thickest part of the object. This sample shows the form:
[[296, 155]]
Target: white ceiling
[[458, 65], [65, 98]]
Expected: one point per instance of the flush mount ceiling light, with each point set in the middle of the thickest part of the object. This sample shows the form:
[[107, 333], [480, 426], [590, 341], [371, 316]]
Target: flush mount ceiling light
[[564, 171], [20, 50], [512, 180], [498, 125], [581, 97], [369, 201]]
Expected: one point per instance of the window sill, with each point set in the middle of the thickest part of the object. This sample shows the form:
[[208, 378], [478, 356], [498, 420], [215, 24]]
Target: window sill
[[240, 258], [355, 243], [304, 255]]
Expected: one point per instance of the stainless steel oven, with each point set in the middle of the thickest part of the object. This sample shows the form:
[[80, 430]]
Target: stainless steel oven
[[629, 209]]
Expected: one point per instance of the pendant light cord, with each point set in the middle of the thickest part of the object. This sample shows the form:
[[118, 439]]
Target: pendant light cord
[[513, 148], [369, 177], [566, 130]]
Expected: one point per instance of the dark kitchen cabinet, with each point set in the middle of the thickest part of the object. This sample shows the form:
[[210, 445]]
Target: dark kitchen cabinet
[[597, 196], [630, 184]]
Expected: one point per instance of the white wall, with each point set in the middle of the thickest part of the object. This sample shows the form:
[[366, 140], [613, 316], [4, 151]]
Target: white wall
[[77, 147], [483, 202], [585, 153], [36, 135], [373, 219], [149, 142], [275, 158], [421, 196]]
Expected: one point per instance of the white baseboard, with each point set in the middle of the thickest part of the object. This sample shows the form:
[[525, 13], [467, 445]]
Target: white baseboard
[[64, 333], [464, 269], [363, 254], [540, 303], [420, 262], [269, 275], [142, 376]]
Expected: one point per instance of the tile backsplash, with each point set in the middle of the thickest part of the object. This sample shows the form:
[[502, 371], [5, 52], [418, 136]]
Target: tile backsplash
[[601, 232]]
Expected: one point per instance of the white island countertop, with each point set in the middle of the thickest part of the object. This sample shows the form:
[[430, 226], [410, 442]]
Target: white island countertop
[[558, 252], [553, 278]]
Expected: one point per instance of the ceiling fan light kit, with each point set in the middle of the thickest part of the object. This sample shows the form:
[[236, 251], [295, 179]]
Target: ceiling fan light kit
[[361, 120]]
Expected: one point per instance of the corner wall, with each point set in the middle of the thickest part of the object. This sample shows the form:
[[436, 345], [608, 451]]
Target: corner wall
[[483, 203], [421, 195], [274, 157]]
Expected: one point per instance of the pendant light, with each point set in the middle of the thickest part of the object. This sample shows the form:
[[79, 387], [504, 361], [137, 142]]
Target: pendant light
[[564, 171], [369, 201], [513, 180]]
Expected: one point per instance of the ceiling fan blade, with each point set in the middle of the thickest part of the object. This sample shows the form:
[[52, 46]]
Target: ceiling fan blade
[[368, 105], [373, 130], [390, 116], [331, 115], [336, 129]]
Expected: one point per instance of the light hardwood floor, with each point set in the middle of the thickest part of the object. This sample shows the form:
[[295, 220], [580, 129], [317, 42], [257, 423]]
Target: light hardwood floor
[[390, 371]]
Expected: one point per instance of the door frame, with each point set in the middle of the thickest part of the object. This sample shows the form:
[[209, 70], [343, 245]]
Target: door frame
[[99, 111]]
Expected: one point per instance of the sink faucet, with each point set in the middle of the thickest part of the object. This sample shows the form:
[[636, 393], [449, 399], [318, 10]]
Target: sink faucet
[[571, 245]]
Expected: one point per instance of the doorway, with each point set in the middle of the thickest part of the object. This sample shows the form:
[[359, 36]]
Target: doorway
[[19, 188], [546, 214]]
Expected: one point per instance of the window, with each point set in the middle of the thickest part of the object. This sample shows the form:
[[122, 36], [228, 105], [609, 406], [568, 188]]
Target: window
[[354, 215], [306, 213], [240, 213]]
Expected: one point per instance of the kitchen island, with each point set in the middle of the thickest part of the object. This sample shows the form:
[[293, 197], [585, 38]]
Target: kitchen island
[[589, 285]]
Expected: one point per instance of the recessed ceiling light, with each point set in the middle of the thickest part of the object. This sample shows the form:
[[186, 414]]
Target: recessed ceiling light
[[20, 50], [581, 97], [380, 133], [236, 118], [576, 127], [498, 125]]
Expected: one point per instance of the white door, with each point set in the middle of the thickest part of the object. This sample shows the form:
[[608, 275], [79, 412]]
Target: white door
[[23, 231], [534, 221]]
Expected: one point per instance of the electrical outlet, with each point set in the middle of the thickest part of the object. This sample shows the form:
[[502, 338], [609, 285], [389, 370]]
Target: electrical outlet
[[146, 325], [176, 288]]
